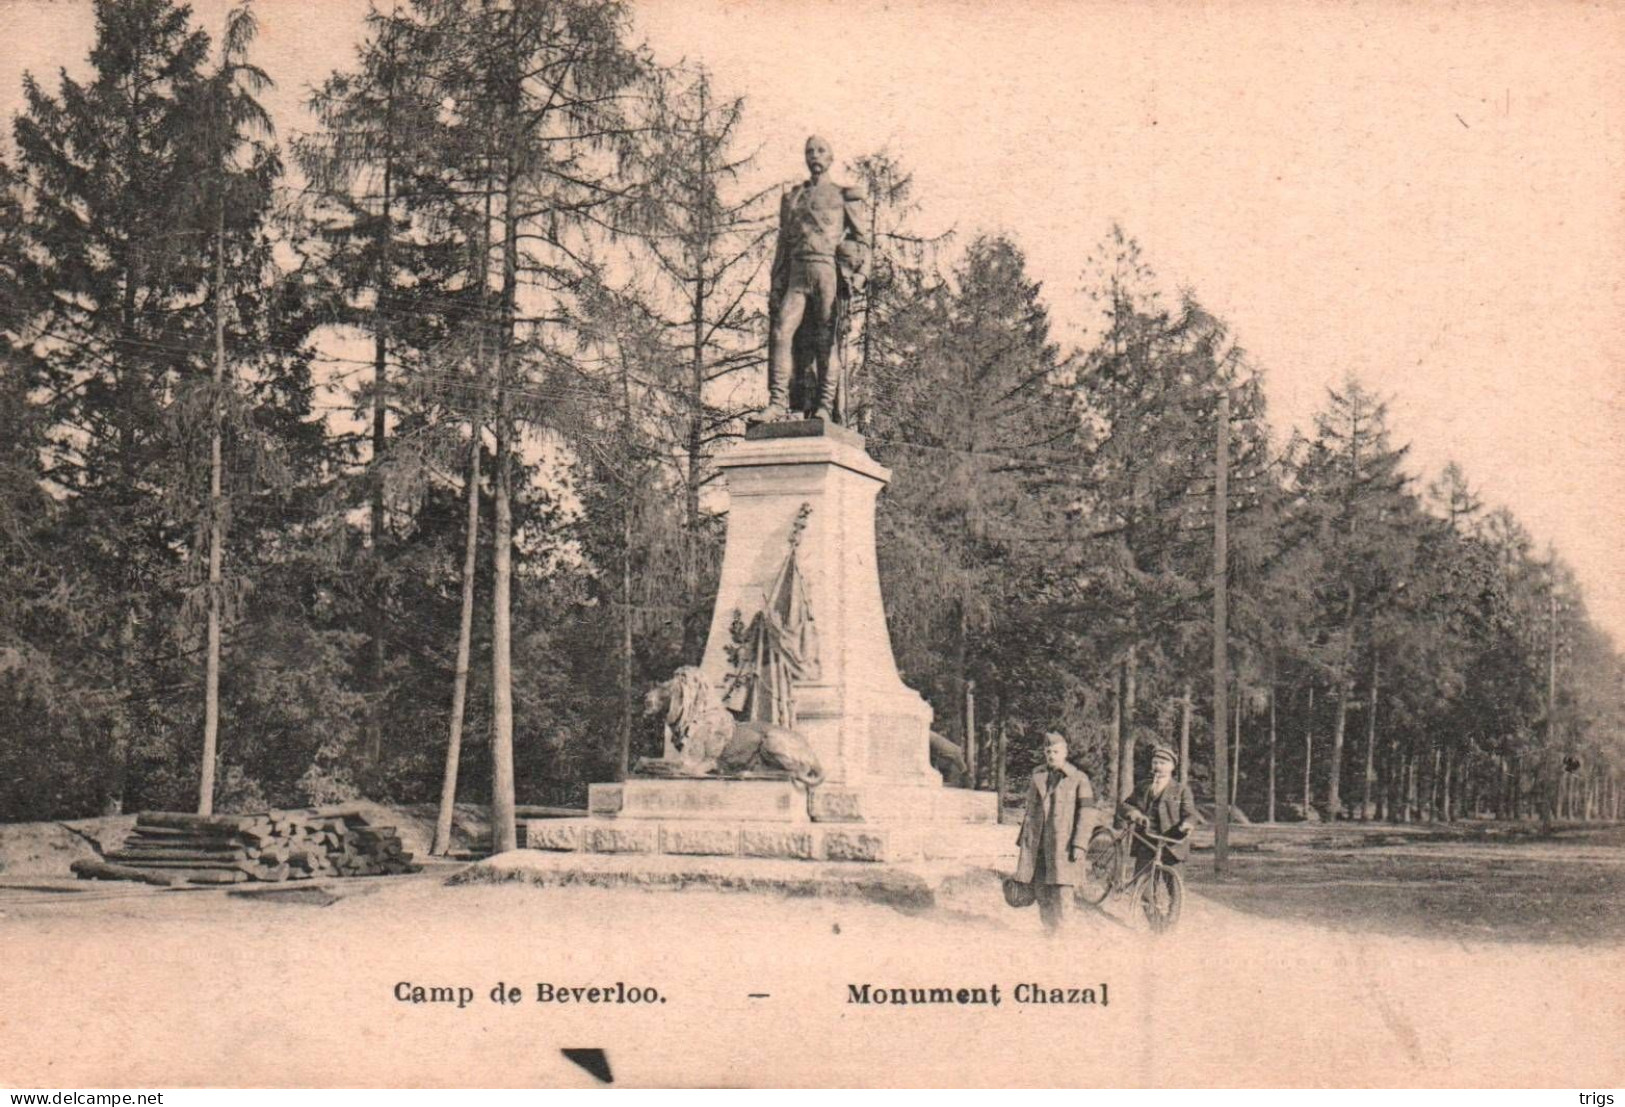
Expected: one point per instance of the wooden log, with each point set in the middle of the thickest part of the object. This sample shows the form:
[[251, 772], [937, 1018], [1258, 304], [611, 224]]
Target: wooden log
[[218, 841], [179, 832], [176, 862], [101, 870], [205, 823], [217, 853], [216, 877]]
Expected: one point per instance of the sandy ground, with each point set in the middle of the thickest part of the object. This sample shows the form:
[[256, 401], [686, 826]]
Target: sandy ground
[[138, 989]]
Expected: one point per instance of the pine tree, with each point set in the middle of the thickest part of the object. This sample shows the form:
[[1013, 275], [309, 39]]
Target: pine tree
[[102, 176], [706, 240], [1353, 480], [972, 422], [1147, 393], [552, 83], [393, 242]]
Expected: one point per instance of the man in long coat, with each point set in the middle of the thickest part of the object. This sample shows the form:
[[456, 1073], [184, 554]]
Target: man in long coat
[[1055, 831]]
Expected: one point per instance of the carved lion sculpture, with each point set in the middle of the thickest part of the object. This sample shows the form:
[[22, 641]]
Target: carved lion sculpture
[[703, 737]]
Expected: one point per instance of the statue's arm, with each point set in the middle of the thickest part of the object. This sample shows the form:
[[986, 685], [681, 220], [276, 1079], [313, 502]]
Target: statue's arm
[[857, 215], [779, 274], [856, 232]]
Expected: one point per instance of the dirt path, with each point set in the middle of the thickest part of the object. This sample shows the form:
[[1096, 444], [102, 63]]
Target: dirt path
[[204, 988]]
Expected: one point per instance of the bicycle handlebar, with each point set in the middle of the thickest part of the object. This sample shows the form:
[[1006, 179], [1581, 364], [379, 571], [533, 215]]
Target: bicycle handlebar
[[1157, 839]]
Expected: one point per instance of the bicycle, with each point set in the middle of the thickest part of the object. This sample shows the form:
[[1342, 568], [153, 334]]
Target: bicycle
[[1155, 890]]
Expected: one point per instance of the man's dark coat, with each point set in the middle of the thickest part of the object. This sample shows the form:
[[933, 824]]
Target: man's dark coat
[[1174, 806]]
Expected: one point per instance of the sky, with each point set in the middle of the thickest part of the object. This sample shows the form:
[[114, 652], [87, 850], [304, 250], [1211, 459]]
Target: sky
[[1425, 196]]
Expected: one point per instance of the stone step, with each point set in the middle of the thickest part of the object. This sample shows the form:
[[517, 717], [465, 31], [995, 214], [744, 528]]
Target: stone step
[[972, 888]]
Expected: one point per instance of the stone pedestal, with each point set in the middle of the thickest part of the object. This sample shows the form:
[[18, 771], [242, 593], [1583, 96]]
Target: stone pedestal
[[881, 801], [867, 727]]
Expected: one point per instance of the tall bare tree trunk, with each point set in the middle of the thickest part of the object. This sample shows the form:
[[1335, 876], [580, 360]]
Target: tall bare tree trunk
[[1185, 735], [970, 735], [693, 640], [471, 545], [1235, 754], [1114, 750], [998, 768], [1309, 752], [211, 669], [378, 616], [1128, 678], [465, 633], [1334, 797], [1370, 743], [1221, 631], [1270, 807], [1449, 783], [504, 832]]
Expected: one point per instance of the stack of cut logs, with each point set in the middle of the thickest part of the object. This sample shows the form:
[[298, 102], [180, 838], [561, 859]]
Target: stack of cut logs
[[232, 849]]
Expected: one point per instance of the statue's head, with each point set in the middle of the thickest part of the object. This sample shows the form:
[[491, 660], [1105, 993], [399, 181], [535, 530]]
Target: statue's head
[[819, 156]]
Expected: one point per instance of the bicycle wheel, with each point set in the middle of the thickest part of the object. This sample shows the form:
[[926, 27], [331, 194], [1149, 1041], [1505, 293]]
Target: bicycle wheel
[[1158, 899], [1100, 867]]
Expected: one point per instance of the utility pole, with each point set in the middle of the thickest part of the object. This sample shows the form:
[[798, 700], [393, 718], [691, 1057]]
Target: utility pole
[[1221, 666]]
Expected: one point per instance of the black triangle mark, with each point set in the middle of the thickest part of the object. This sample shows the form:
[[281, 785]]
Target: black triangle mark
[[593, 1060]]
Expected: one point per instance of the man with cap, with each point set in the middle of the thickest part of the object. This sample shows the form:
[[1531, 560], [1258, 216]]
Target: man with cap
[[1164, 807], [1055, 831]]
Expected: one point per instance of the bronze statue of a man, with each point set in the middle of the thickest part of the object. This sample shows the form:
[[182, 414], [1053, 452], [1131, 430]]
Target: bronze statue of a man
[[821, 259]]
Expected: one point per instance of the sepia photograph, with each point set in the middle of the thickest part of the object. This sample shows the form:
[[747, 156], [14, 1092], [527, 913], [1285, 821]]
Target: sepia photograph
[[806, 544]]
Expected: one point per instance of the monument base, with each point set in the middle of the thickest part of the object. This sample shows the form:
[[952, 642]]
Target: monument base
[[691, 837], [766, 818], [800, 549]]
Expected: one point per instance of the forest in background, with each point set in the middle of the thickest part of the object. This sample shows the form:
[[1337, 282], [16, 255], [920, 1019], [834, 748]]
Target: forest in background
[[377, 460]]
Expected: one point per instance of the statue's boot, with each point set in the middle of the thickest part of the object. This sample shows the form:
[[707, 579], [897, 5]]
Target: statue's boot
[[828, 371], [826, 398], [778, 398], [772, 413]]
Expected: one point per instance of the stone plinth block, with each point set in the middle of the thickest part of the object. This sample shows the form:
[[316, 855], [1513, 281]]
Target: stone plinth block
[[699, 838], [766, 842], [857, 714], [604, 799], [832, 803], [619, 837], [554, 834], [885, 802], [854, 845], [771, 801]]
